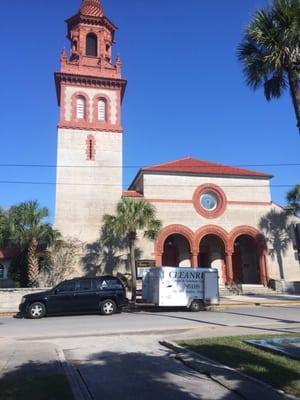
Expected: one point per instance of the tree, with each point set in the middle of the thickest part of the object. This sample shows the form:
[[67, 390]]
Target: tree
[[270, 51], [30, 233], [59, 261], [293, 198], [131, 216], [3, 227]]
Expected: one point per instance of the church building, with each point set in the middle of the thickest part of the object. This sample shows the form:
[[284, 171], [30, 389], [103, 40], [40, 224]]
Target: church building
[[212, 214]]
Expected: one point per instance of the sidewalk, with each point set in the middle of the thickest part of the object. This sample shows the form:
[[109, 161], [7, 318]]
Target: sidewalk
[[275, 300], [247, 387]]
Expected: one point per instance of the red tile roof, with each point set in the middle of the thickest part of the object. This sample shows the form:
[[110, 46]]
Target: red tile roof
[[131, 193], [194, 166], [91, 8]]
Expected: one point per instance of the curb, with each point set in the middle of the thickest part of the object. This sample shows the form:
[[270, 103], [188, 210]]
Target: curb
[[254, 304], [78, 387], [226, 376], [8, 314]]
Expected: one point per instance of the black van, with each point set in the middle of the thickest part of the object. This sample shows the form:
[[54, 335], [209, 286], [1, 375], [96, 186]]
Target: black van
[[105, 294]]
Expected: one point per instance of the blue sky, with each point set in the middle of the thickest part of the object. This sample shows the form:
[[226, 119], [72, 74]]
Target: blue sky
[[185, 97]]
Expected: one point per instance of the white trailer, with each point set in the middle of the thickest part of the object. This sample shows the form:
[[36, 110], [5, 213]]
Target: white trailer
[[181, 287]]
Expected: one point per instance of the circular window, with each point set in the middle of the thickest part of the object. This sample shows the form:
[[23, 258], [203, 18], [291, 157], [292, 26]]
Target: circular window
[[209, 201]]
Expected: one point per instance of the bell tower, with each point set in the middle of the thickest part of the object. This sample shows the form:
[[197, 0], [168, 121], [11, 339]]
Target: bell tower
[[90, 90]]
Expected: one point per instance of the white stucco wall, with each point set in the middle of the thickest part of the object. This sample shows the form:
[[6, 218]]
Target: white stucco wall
[[86, 190]]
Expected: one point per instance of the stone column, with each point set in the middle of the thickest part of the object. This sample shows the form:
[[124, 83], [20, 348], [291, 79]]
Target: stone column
[[158, 259], [229, 269], [194, 259], [262, 269]]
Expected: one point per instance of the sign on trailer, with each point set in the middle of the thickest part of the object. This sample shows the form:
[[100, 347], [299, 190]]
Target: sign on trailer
[[180, 287]]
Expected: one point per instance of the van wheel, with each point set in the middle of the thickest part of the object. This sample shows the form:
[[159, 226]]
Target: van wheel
[[196, 306], [36, 310], [108, 307]]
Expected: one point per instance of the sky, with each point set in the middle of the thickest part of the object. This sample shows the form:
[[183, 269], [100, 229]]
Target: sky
[[185, 96]]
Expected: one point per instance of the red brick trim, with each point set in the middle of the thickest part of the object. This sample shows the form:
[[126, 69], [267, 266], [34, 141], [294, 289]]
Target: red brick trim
[[132, 193], [222, 200], [249, 231], [251, 203], [102, 124], [171, 230], [211, 230], [170, 201], [80, 122], [90, 148], [261, 244], [71, 125], [241, 203]]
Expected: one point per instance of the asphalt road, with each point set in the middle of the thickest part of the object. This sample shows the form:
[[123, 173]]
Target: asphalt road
[[256, 318], [120, 356]]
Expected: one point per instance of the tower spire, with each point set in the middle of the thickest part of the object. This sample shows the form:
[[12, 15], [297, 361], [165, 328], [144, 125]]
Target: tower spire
[[92, 8]]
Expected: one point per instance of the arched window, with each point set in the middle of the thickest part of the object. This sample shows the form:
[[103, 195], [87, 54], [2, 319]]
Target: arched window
[[101, 110], [1, 271], [80, 107], [91, 45], [90, 148]]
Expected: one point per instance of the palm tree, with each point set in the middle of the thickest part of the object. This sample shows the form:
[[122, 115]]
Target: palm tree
[[131, 216], [293, 198], [270, 51], [29, 232]]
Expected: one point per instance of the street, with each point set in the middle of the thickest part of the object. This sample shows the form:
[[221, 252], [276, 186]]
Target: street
[[121, 355], [252, 318]]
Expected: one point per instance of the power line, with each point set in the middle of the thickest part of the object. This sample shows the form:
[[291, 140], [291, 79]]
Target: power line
[[111, 185], [10, 165]]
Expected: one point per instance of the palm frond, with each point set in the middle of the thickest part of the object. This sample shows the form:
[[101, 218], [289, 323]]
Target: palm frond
[[275, 86]]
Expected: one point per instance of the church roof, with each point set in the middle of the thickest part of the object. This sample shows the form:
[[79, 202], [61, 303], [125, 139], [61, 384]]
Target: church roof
[[91, 8], [191, 165]]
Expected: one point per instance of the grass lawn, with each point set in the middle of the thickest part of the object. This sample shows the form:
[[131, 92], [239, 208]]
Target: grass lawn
[[279, 371], [36, 387]]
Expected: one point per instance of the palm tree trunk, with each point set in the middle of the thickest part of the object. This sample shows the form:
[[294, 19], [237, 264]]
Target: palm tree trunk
[[293, 76], [132, 239], [33, 263]]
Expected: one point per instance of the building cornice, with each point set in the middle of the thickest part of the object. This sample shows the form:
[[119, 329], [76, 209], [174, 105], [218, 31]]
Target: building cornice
[[88, 81]]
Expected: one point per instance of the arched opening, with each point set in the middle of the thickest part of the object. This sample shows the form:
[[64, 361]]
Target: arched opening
[[102, 110], [245, 260], [177, 252], [212, 254], [80, 107], [91, 45]]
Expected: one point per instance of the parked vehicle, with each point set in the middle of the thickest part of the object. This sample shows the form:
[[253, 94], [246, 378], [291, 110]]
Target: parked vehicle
[[193, 288], [105, 294]]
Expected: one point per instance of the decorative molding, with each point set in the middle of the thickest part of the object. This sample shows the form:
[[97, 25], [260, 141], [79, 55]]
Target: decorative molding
[[250, 203], [171, 230], [222, 200], [215, 230], [85, 127], [90, 148]]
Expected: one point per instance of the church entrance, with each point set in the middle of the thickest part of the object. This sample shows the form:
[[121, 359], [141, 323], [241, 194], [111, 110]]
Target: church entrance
[[177, 252], [212, 254], [245, 263]]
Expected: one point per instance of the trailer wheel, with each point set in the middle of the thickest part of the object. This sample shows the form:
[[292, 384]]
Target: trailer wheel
[[196, 306]]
